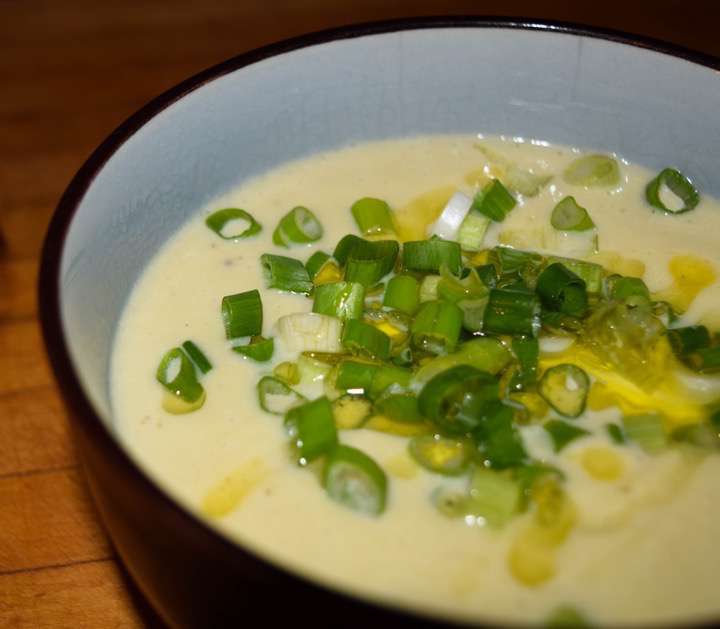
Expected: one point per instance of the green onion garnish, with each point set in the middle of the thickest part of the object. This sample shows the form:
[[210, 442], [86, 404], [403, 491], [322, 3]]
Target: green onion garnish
[[454, 399], [615, 433], [494, 201], [512, 312], [222, 219], [593, 171], [494, 496], [197, 356], [299, 226], [487, 274], [567, 215], [364, 339], [354, 480], [343, 300], [286, 274], [403, 294], [624, 288], [258, 349], [441, 455], [351, 411], [687, 340], [428, 288], [561, 290], [355, 376], [527, 351], [316, 262], [647, 431], [679, 185], [589, 272], [705, 360], [566, 617], [242, 314], [276, 397], [484, 353], [436, 327], [452, 288], [515, 263], [427, 256], [367, 262], [565, 387], [388, 375], [373, 216], [311, 426], [497, 437], [562, 433], [472, 231], [400, 407], [177, 374]]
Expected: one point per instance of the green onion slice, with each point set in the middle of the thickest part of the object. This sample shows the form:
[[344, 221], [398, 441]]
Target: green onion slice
[[567, 215], [494, 496], [403, 294], [286, 274], [373, 216], [367, 262], [354, 480], [242, 314], [451, 218], [399, 406], [436, 327], [687, 340], [514, 262], [197, 356], [627, 288], [647, 431], [177, 374], [258, 349], [593, 171], [527, 352], [316, 262], [276, 397], [512, 312], [562, 433], [351, 411], [705, 360], [355, 377], [222, 222], [344, 300], [449, 457], [364, 339], [565, 387], [311, 426], [494, 201], [679, 185], [615, 433], [472, 231], [497, 436], [562, 290], [589, 272], [427, 256], [298, 226]]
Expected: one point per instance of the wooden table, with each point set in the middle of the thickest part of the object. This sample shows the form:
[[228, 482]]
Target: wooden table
[[69, 73]]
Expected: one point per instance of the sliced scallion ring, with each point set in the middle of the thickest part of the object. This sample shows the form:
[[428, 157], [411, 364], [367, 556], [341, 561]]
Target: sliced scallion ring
[[258, 349], [311, 427], [679, 185], [562, 433], [593, 171], [298, 226], [565, 387], [223, 223], [494, 201], [177, 374], [568, 215], [286, 274], [242, 314], [197, 356], [441, 455], [276, 397], [373, 216], [354, 480]]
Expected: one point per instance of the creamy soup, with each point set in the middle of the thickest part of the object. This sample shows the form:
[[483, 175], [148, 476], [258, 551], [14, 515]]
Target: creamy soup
[[637, 542]]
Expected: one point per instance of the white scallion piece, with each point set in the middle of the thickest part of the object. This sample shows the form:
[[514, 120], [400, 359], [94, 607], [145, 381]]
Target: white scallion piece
[[310, 332], [452, 216]]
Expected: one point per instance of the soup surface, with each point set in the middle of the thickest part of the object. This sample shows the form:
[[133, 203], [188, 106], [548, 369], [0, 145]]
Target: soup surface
[[642, 542]]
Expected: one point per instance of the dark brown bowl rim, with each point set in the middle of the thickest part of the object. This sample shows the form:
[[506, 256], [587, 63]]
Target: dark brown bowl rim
[[49, 275]]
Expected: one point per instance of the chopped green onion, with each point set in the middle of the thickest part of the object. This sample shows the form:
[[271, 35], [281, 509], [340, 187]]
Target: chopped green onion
[[567, 215], [473, 313], [449, 457], [497, 437], [428, 288], [512, 312], [562, 290], [345, 247], [351, 411], [242, 314], [299, 226], [316, 262], [566, 617], [258, 349], [311, 426], [494, 496], [354, 480], [509, 261], [679, 185], [472, 231], [362, 338], [276, 397], [222, 219], [388, 375], [355, 376], [373, 216], [589, 272], [310, 332], [450, 502], [287, 372], [705, 360], [285, 273], [559, 323], [436, 327], [494, 201], [400, 407], [453, 399], [527, 351], [485, 353], [197, 356], [344, 300], [452, 288], [451, 218], [647, 431], [615, 433], [487, 274], [562, 433], [177, 374], [565, 387], [687, 340], [402, 293], [427, 256], [593, 171], [368, 262], [624, 288], [702, 435]]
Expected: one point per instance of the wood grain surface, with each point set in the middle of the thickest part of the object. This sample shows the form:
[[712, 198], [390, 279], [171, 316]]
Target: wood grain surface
[[69, 73]]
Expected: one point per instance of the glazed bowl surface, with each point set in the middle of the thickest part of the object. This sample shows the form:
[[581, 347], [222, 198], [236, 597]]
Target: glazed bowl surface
[[558, 83]]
